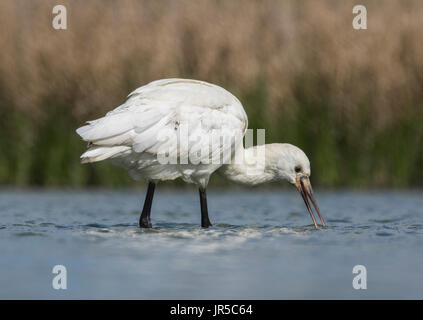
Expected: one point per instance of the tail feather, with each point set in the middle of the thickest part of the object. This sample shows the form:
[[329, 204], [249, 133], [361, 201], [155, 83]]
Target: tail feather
[[106, 127], [98, 153]]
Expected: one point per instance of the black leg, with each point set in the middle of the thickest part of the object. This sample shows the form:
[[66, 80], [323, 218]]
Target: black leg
[[205, 222], [146, 210]]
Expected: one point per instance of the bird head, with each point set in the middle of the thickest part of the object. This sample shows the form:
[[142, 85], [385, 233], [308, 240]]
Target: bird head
[[292, 165]]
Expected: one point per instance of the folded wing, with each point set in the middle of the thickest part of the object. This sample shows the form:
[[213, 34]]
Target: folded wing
[[153, 115]]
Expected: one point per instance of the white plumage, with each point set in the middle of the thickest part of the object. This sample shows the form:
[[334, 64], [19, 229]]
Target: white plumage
[[180, 117], [130, 134]]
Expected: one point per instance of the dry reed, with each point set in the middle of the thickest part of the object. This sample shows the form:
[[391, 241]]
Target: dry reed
[[352, 99]]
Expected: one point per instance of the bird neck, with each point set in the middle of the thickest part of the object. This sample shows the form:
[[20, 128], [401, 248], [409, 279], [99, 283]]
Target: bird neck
[[250, 166]]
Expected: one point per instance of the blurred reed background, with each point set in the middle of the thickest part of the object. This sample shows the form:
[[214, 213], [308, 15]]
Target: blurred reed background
[[352, 100]]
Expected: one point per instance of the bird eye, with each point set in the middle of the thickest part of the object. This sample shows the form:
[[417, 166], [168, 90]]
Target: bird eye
[[297, 169]]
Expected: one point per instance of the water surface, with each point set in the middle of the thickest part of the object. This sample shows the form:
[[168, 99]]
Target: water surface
[[262, 245]]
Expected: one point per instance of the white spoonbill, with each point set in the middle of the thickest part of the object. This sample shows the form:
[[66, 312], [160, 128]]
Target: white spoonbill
[[132, 136]]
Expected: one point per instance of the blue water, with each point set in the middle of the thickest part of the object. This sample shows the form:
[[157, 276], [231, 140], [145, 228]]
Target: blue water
[[262, 245]]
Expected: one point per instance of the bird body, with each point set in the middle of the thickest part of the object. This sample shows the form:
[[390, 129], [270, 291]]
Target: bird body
[[130, 134], [188, 129]]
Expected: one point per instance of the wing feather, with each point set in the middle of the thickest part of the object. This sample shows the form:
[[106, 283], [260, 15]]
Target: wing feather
[[206, 110]]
